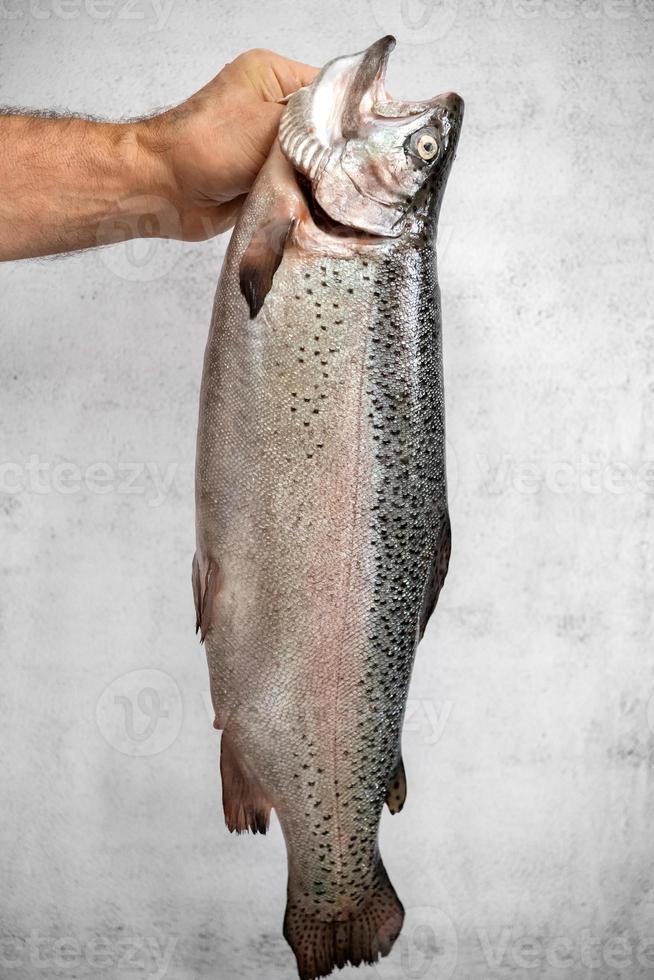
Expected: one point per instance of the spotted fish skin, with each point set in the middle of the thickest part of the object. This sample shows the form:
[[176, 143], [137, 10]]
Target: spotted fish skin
[[322, 542]]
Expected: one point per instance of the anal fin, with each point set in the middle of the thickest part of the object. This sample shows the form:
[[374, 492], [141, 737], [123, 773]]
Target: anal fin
[[245, 805], [205, 589], [396, 792]]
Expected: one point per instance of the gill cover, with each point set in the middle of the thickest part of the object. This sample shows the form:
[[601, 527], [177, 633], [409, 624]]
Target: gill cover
[[366, 156]]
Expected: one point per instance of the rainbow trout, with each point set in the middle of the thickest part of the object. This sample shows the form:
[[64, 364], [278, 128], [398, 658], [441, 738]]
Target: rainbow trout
[[323, 535]]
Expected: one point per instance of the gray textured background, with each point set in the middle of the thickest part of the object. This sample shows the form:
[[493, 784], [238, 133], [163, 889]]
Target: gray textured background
[[525, 848]]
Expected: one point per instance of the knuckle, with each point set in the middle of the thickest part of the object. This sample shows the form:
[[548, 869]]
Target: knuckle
[[256, 55]]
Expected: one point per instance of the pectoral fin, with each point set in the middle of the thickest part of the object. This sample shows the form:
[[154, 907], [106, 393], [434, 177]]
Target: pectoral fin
[[262, 258], [396, 793]]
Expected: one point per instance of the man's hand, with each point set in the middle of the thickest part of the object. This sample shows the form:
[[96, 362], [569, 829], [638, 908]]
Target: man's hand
[[72, 183], [215, 143]]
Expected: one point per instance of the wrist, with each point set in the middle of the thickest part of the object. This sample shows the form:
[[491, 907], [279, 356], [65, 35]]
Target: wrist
[[149, 204]]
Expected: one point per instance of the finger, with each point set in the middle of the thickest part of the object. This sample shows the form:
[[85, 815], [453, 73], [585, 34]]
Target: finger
[[281, 76], [299, 75]]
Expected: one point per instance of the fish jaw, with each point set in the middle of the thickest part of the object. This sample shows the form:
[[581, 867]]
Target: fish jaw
[[357, 146]]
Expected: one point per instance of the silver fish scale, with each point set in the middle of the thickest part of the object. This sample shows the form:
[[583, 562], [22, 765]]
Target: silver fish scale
[[405, 395], [321, 493], [403, 419]]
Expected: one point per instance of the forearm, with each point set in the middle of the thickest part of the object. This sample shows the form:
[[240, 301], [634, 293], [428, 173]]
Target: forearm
[[70, 183]]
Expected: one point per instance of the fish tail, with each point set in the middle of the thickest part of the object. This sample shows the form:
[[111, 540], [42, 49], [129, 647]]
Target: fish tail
[[321, 945]]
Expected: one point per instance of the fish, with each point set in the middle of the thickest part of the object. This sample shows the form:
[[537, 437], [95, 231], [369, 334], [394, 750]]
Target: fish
[[323, 535]]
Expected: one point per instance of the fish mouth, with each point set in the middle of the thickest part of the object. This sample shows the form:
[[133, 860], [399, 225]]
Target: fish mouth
[[330, 109], [348, 138], [352, 85], [366, 84]]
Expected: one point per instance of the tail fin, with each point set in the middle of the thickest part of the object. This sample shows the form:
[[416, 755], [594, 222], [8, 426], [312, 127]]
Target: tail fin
[[320, 946]]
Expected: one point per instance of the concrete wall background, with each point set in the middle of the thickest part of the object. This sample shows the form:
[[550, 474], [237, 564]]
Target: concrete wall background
[[525, 848]]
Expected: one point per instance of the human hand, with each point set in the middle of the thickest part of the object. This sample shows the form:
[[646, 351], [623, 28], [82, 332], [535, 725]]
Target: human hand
[[209, 149], [72, 183]]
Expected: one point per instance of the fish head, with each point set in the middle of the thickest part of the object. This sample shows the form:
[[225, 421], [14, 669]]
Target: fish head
[[373, 164]]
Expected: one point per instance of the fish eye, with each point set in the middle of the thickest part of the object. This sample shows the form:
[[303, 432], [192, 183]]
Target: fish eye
[[425, 145]]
